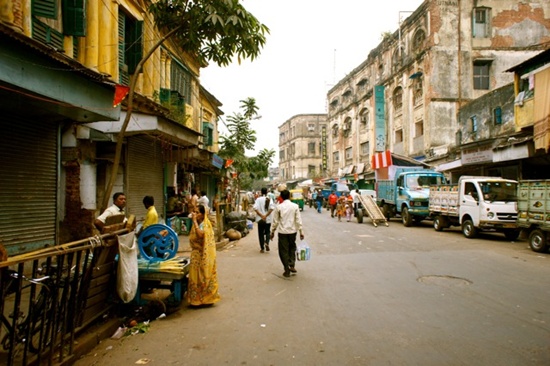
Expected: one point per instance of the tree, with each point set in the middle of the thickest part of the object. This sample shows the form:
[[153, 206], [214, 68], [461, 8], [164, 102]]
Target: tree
[[210, 30], [241, 138]]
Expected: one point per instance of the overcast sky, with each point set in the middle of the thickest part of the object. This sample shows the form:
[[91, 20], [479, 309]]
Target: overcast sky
[[312, 45]]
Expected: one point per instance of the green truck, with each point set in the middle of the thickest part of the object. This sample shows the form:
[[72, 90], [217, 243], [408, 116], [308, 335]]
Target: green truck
[[534, 212]]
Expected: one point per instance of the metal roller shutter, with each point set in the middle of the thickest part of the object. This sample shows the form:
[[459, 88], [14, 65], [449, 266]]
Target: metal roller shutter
[[28, 184], [145, 175]]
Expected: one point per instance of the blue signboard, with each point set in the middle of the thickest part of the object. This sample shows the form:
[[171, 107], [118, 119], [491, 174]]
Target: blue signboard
[[380, 118], [217, 161]]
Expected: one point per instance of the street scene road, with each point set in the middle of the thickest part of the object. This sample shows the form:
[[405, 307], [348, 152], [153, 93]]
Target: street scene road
[[368, 296]]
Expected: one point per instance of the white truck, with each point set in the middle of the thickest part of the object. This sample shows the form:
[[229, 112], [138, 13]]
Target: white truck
[[476, 204], [534, 212]]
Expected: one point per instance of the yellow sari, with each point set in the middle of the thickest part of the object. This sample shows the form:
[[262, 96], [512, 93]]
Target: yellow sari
[[202, 288]]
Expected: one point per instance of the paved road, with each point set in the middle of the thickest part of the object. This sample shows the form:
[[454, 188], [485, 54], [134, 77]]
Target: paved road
[[369, 296]]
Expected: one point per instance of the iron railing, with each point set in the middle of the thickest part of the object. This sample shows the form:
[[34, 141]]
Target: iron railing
[[48, 296]]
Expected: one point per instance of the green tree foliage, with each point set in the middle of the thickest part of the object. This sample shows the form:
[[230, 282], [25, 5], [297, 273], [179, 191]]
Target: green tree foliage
[[210, 30]]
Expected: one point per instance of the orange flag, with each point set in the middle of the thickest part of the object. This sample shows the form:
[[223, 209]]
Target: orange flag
[[228, 163], [121, 92]]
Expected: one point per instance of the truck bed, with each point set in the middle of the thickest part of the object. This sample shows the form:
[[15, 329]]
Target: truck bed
[[534, 203], [444, 199]]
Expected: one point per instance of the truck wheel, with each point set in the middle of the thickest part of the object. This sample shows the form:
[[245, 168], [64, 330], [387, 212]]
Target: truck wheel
[[359, 215], [439, 223], [406, 217], [511, 234], [468, 229], [537, 241]]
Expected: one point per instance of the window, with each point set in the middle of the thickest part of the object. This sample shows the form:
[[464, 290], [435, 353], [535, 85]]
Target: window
[[398, 99], [130, 47], [335, 130], [497, 116], [282, 136], [473, 123], [349, 153], [208, 132], [44, 8], [398, 56], [46, 34], [419, 129], [481, 74], [311, 127], [336, 156], [364, 118], [365, 148], [311, 148], [398, 136], [346, 96], [74, 17], [311, 170], [362, 85], [418, 40], [481, 26], [282, 154], [418, 91], [180, 81]]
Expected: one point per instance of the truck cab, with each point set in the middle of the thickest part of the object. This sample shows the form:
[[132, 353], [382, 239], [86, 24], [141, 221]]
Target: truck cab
[[407, 193]]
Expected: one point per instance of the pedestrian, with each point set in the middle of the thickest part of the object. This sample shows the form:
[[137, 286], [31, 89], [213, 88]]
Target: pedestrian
[[263, 207], [332, 201], [152, 217], [271, 195], [341, 206], [202, 287], [119, 203], [193, 201], [203, 200], [287, 222], [319, 201]]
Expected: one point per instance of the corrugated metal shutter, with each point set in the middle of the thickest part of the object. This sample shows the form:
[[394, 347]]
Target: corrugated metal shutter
[[28, 184], [145, 175]]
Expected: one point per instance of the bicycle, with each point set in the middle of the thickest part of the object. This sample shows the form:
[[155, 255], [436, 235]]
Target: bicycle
[[25, 328]]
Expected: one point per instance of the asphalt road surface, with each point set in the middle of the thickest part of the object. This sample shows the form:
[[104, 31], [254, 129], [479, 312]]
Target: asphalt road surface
[[368, 296]]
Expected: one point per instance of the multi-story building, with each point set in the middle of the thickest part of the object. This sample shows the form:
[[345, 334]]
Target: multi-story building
[[406, 96], [61, 66], [302, 147]]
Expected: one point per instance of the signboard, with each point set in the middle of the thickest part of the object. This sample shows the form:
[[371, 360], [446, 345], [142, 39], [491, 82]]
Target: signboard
[[478, 154], [380, 118], [217, 161], [324, 146]]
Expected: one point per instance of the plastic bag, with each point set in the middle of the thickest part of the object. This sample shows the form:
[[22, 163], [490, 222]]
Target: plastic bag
[[127, 272], [303, 252]]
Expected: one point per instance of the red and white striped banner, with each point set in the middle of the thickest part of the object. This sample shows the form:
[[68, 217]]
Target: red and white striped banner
[[381, 160]]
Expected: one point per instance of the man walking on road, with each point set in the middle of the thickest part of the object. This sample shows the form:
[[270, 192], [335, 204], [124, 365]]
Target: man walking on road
[[287, 219], [332, 201]]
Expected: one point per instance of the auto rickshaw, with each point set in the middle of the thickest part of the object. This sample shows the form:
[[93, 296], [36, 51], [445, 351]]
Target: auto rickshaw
[[297, 196]]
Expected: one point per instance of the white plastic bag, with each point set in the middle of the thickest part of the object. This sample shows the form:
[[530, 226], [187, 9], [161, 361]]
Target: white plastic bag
[[303, 252], [127, 272]]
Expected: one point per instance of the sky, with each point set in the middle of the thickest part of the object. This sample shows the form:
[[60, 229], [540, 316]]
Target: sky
[[312, 45]]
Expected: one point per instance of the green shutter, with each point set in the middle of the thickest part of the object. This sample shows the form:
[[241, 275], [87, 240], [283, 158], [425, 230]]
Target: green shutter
[[44, 8], [74, 17], [47, 35], [135, 48], [124, 78], [208, 132]]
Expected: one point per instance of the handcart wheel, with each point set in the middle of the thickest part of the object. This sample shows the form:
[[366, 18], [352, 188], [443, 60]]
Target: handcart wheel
[[158, 243]]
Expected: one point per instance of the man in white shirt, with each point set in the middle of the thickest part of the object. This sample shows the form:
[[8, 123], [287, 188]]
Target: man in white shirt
[[355, 195], [287, 219], [119, 202], [203, 200], [263, 207]]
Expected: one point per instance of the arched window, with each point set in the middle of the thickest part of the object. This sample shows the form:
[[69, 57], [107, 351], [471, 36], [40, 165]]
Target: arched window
[[398, 99], [418, 40]]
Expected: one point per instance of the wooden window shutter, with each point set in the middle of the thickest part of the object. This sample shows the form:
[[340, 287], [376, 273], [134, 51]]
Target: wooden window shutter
[[44, 8], [74, 17], [135, 48]]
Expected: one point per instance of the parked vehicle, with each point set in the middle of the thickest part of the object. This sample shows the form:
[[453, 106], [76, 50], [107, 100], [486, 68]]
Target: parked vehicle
[[297, 196], [476, 204], [533, 211], [407, 193], [338, 188]]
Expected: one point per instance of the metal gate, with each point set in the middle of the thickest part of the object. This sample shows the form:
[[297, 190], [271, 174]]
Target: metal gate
[[28, 184], [145, 175]]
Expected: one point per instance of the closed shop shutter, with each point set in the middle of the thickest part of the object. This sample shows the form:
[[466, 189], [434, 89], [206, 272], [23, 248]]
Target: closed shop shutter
[[28, 184], [145, 175]]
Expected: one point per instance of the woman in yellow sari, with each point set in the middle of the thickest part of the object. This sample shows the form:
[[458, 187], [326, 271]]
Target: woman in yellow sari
[[202, 288]]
